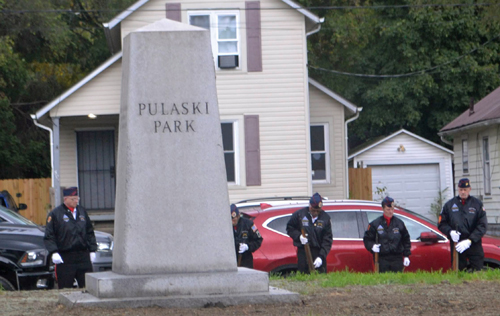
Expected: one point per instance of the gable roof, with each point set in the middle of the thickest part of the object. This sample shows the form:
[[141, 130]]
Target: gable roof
[[485, 112], [40, 113], [351, 107], [370, 145], [111, 24]]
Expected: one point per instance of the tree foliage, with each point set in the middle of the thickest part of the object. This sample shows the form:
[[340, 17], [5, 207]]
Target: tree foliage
[[461, 41], [46, 46]]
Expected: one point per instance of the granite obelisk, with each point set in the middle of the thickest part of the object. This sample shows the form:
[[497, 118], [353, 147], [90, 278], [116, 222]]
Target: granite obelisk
[[173, 238]]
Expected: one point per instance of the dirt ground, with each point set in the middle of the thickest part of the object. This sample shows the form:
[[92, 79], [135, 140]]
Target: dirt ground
[[476, 298]]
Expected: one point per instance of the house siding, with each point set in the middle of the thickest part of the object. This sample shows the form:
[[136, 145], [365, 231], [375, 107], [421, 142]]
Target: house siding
[[475, 148], [416, 152], [278, 95], [324, 109]]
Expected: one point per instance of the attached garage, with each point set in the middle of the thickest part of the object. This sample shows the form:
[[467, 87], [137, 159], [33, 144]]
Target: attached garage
[[409, 168]]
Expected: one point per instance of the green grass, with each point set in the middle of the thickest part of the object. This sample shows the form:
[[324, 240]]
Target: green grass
[[346, 278]]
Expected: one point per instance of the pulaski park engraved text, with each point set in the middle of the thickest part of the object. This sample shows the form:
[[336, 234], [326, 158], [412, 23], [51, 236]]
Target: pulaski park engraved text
[[175, 124]]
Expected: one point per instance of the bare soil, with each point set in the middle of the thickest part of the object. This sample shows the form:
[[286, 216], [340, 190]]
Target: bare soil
[[468, 298]]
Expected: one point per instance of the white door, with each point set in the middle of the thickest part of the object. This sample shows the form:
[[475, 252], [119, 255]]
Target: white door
[[414, 187]]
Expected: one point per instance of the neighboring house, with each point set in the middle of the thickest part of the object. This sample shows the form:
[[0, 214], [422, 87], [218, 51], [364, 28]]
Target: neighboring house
[[475, 135], [283, 133], [409, 168]]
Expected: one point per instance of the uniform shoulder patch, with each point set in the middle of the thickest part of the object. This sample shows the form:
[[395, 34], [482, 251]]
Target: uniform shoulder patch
[[254, 228], [368, 227], [49, 219]]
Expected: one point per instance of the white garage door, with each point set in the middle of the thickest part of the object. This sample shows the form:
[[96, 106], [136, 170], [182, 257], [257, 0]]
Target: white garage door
[[413, 187]]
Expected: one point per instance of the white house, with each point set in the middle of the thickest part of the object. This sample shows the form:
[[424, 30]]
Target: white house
[[284, 134], [475, 140], [409, 168]]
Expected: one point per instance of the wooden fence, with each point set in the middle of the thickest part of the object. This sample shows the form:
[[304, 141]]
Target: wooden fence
[[34, 192], [360, 183]]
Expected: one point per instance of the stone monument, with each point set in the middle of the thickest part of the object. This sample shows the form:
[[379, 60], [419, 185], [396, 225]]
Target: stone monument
[[173, 239]]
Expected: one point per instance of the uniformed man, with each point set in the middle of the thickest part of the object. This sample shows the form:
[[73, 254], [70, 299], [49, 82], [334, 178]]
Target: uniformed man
[[247, 238], [388, 236], [463, 220], [69, 237], [318, 234]]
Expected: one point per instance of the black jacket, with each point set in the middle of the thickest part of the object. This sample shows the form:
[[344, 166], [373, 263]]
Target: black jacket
[[64, 234], [470, 218], [246, 232], [393, 239], [319, 234]]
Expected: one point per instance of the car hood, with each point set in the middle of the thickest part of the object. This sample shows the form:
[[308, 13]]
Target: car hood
[[102, 236], [21, 237], [487, 239]]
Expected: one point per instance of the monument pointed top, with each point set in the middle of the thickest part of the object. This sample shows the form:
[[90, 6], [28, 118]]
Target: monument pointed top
[[168, 25]]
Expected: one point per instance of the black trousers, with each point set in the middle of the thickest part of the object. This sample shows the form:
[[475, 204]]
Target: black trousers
[[302, 260], [76, 264], [390, 263], [246, 259], [472, 258]]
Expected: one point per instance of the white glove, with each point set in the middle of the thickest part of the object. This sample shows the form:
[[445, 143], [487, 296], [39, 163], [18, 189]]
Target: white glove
[[376, 248], [243, 248], [455, 235], [318, 262], [92, 257], [56, 258], [463, 245], [406, 261], [303, 240]]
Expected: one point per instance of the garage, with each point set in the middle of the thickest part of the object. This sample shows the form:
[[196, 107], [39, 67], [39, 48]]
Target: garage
[[414, 187], [409, 168]]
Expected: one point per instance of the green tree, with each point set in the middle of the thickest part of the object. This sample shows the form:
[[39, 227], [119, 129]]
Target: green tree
[[460, 40]]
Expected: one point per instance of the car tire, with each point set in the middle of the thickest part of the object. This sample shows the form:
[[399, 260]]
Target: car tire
[[6, 285]]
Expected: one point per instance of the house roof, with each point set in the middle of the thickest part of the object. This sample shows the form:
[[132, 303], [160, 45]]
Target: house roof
[[111, 24], [351, 107], [43, 111], [485, 112], [370, 145], [40, 113]]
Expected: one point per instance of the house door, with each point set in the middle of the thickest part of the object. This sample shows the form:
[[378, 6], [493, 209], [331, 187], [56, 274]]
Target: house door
[[96, 169]]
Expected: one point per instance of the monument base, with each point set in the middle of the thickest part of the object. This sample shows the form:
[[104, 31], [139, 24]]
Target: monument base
[[112, 290]]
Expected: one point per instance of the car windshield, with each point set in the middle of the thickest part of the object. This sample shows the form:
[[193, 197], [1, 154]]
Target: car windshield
[[15, 218]]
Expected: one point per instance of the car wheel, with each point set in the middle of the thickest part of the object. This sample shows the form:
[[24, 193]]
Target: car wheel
[[6, 285]]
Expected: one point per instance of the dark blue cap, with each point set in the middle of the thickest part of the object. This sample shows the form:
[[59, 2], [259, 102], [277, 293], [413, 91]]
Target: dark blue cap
[[73, 191], [387, 201], [464, 183], [316, 201], [234, 211]]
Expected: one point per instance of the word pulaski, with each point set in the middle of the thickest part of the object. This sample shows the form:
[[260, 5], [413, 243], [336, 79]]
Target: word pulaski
[[173, 126]]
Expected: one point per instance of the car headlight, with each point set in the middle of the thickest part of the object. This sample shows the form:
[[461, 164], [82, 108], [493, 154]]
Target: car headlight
[[104, 246], [33, 258]]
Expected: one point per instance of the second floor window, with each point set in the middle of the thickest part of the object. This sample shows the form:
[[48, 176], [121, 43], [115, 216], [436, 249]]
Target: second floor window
[[224, 35]]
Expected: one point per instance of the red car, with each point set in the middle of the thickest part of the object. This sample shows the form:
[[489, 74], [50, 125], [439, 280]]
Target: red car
[[430, 249]]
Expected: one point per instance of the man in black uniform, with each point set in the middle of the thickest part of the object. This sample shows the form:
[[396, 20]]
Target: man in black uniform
[[69, 236], [393, 245], [247, 238], [464, 221], [318, 229]]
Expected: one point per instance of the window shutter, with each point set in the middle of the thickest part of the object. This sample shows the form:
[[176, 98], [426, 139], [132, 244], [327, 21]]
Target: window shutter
[[174, 11], [252, 150], [254, 45]]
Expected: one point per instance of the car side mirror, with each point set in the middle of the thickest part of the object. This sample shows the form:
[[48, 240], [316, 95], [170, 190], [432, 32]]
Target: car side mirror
[[22, 206], [428, 238]]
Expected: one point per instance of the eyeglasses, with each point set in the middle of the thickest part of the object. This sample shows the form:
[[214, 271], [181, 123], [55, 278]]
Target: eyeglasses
[[73, 198]]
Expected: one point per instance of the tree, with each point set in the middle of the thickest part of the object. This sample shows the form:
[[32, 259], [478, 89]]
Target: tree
[[459, 40]]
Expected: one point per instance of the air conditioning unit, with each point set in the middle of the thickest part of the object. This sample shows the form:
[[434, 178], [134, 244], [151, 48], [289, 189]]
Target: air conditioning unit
[[228, 62]]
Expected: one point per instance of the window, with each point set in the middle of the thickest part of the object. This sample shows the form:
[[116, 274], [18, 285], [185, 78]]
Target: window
[[224, 34], [465, 156], [344, 224], [486, 167], [229, 137], [319, 153], [279, 224]]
